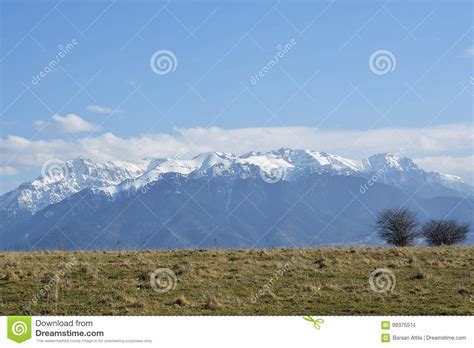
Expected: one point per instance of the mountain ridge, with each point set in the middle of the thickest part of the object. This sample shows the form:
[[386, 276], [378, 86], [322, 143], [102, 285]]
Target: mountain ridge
[[80, 197], [113, 176]]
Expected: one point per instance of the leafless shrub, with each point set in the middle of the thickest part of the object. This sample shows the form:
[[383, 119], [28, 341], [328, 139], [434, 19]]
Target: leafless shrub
[[444, 232], [397, 226]]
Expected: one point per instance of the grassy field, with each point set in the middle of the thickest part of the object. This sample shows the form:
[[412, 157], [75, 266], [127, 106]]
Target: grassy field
[[335, 281]]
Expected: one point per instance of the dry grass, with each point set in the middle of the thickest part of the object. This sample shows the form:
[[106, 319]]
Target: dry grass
[[429, 281]]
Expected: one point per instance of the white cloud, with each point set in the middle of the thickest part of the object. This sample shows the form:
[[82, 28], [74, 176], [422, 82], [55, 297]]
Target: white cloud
[[7, 170], [353, 142], [461, 166], [98, 109], [65, 124], [470, 51], [20, 153]]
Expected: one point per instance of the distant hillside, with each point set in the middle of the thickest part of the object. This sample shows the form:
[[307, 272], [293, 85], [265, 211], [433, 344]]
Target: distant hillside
[[223, 200]]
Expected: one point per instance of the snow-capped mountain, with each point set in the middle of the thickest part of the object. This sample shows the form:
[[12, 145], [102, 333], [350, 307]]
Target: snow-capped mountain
[[288, 164], [403, 172], [81, 197], [118, 176], [67, 178]]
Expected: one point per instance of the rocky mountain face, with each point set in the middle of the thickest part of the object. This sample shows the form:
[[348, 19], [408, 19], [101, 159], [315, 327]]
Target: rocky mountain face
[[279, 198]]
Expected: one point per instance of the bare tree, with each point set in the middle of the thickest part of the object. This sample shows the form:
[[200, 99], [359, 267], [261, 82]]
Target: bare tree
[[444, 232], [398, 227]]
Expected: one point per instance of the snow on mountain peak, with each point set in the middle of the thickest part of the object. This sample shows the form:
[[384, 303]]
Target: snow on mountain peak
[[389, 161], [118, 176], [319, 160], [64, 178], [210, 159]]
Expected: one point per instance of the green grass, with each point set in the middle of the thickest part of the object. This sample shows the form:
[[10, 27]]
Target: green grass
[[329, 281]]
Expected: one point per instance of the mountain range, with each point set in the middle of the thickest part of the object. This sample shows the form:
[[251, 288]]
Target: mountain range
[[284, 197]]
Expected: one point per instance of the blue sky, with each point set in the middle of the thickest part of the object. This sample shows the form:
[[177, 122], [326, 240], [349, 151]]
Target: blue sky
[[321, 88]]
